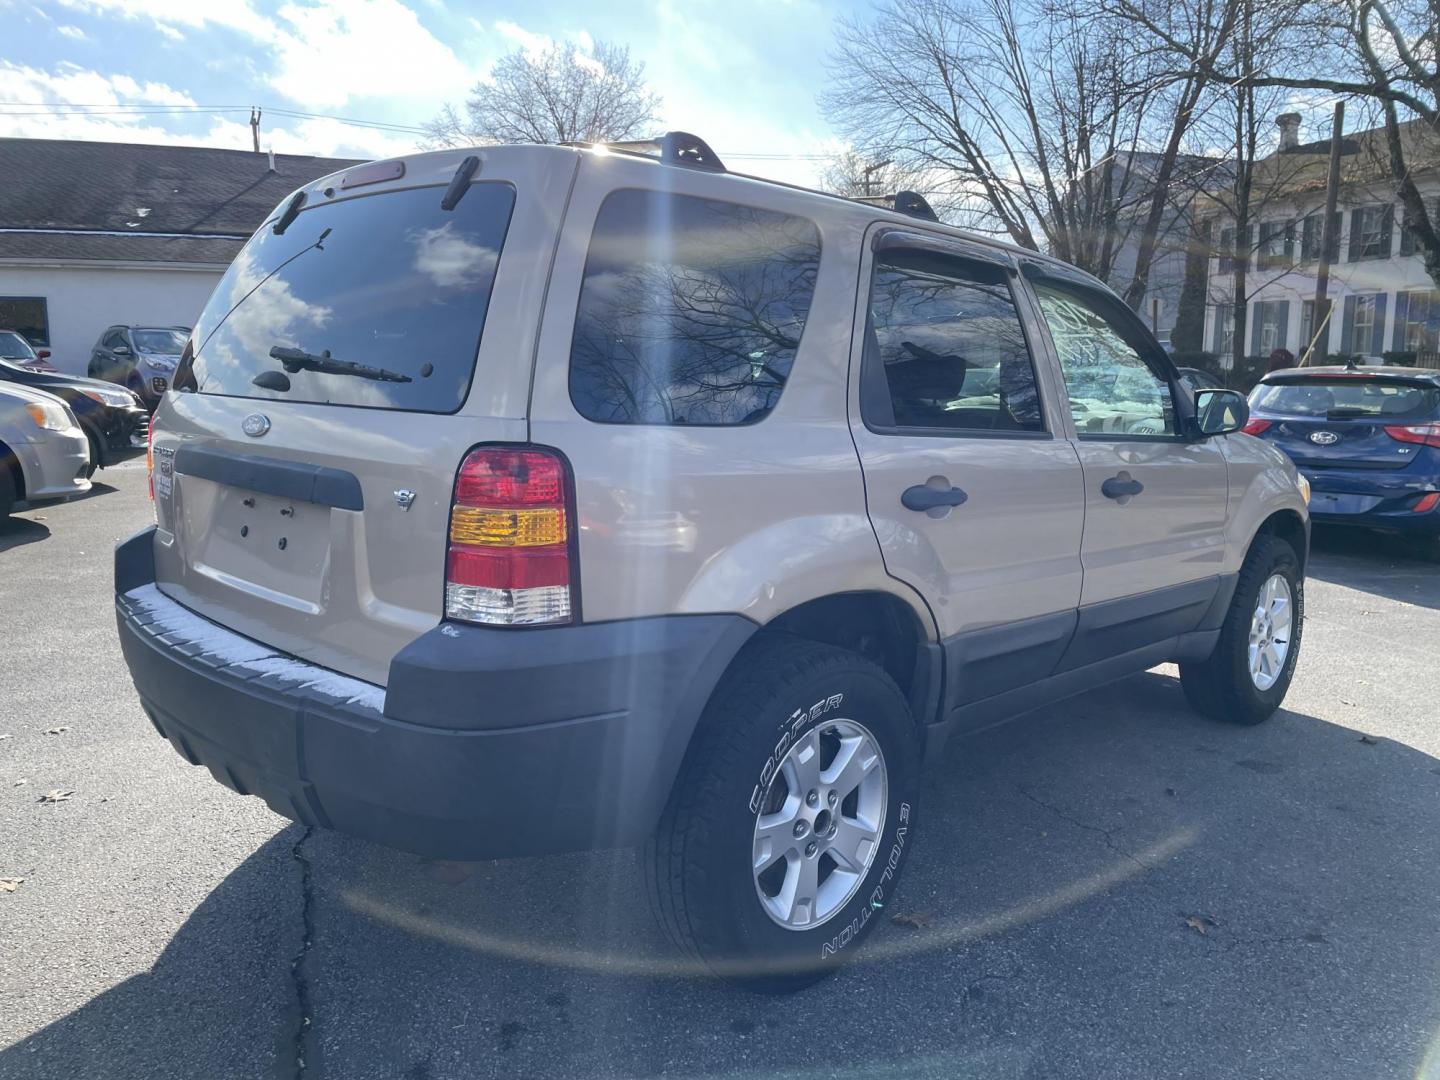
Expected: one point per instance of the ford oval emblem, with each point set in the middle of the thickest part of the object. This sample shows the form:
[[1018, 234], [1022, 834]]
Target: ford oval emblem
[[255, 425], [1324, 438]]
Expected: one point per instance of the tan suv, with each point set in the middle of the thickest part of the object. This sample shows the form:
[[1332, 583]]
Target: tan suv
[[533, 499]]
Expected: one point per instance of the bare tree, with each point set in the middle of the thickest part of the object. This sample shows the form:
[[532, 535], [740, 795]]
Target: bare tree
[[1036, 117], [559, 95]]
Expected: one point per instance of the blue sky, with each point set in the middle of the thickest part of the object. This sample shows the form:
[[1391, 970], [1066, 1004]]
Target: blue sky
[[743, 74]]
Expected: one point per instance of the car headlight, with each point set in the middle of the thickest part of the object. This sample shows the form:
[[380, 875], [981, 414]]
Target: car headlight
[[162, 363], [119, 398], [49, 416], [1304, 485]]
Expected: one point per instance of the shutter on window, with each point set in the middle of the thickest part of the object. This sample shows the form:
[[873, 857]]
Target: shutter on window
[[1402, 311], [1347, 328], [1283, 340], [1255, 319], [1387, 229], [1289, 228], [1356, 217], [1377, 335]]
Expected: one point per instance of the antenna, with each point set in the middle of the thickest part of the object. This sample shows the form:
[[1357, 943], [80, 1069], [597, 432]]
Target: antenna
[[271, 151], [255, 127]]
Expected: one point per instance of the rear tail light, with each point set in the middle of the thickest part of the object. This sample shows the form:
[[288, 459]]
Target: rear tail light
[[509, 559], [1426, 503], [1255, 426], [150, 455], [1422, 434]]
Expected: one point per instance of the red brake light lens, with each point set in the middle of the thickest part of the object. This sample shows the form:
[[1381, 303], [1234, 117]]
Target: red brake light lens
[[1256, 426], [1420, 434], [508, 563]]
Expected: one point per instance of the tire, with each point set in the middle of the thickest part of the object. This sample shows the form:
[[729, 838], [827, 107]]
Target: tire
[[784, 697], [8, 493], [95, 454], [1222, 686]]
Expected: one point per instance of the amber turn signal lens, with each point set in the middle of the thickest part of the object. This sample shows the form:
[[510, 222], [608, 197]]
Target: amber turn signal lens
[[507, 528]]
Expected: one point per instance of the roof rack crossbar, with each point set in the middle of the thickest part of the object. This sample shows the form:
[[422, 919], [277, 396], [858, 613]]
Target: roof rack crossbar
[[909, 203], [675, 147]]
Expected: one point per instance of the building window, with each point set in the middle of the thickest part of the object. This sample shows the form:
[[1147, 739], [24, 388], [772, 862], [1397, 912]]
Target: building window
[[1417, 322], [1271, 319], [1227, 250], [28, 315], [1223, 335], [1307, 323], [1407, 238], [1363, 315], [1277, 245], [1312, 234], [1370, 228]]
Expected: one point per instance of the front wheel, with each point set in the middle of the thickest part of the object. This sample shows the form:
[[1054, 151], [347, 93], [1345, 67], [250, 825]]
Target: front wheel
[[791, 817], [1244, 680]]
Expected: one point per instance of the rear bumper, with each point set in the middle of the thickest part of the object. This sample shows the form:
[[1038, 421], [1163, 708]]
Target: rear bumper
[[1373, 499], [487, 744]]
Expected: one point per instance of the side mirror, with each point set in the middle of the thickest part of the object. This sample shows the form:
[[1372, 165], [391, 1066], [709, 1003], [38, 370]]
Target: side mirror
[[121, 350], [42, 354], [1220, 412]]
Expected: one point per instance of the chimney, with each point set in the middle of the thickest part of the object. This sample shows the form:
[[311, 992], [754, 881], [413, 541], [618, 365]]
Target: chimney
[[271, 151], [1289, 125]]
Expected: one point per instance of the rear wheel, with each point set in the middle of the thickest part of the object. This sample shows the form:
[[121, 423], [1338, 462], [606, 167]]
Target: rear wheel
[[789, 821], [95, 453], [1245, 678]]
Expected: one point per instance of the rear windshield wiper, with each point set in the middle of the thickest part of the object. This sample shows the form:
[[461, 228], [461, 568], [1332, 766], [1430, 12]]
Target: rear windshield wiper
[[294, 360], [1347, 413]]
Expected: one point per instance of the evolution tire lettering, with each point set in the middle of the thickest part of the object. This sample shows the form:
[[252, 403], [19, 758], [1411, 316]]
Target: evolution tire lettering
[[792, 727], [877, 894]]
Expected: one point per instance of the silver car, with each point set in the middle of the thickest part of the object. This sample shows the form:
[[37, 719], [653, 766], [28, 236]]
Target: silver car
[[43, 450]]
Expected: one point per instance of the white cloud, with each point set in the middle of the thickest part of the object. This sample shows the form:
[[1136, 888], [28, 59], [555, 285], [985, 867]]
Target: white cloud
[[72, 32], [170, 32], [534, 44]]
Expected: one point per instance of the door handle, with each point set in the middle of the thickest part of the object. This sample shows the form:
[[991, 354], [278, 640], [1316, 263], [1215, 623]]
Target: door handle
[[924, 497], [1121, 487]]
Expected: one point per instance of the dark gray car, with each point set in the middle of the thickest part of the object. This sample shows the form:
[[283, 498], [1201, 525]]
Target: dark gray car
[[142, 358]]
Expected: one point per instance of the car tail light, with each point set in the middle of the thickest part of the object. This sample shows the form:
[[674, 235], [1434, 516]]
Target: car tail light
[[1426, 503], [150, 455], [1423, 434], [1255, 426], [509, 561]]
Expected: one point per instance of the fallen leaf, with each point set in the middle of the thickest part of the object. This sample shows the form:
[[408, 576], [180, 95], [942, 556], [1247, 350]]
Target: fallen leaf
[[1368, 741], [21, 783], [56, 795], [56, 730], [917, 920], [1201, 924], [1344, 702], [10, 884]]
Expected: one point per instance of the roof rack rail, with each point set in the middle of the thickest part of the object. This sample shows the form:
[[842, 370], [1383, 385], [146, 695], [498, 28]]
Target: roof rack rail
[[909, 203], [675, 148]]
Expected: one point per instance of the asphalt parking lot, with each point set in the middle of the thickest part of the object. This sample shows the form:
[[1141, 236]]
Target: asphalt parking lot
[[1065, 868]]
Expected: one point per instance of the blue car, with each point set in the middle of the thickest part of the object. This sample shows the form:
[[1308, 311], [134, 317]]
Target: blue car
[[1367, 439]]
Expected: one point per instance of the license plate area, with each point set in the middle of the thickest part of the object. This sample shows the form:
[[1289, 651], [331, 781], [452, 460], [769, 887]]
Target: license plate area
[[272, 548]]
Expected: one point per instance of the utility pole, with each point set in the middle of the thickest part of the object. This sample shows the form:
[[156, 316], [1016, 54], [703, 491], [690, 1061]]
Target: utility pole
[[255, 126], [865, 181], [1329, 240]]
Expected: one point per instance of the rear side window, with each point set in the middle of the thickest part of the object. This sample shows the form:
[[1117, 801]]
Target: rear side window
[[390, 282], [1341, 399], [947, 336], [691, 310]]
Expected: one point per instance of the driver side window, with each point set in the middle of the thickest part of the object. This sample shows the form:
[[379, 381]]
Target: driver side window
[[1112, 390]]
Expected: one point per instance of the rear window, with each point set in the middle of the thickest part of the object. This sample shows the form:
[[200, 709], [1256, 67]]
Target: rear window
[[391, 282], [691, 310], [1339, 399]]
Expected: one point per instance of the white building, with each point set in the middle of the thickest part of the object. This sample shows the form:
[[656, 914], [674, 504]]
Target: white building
[[98, 234], [1382, 300]]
